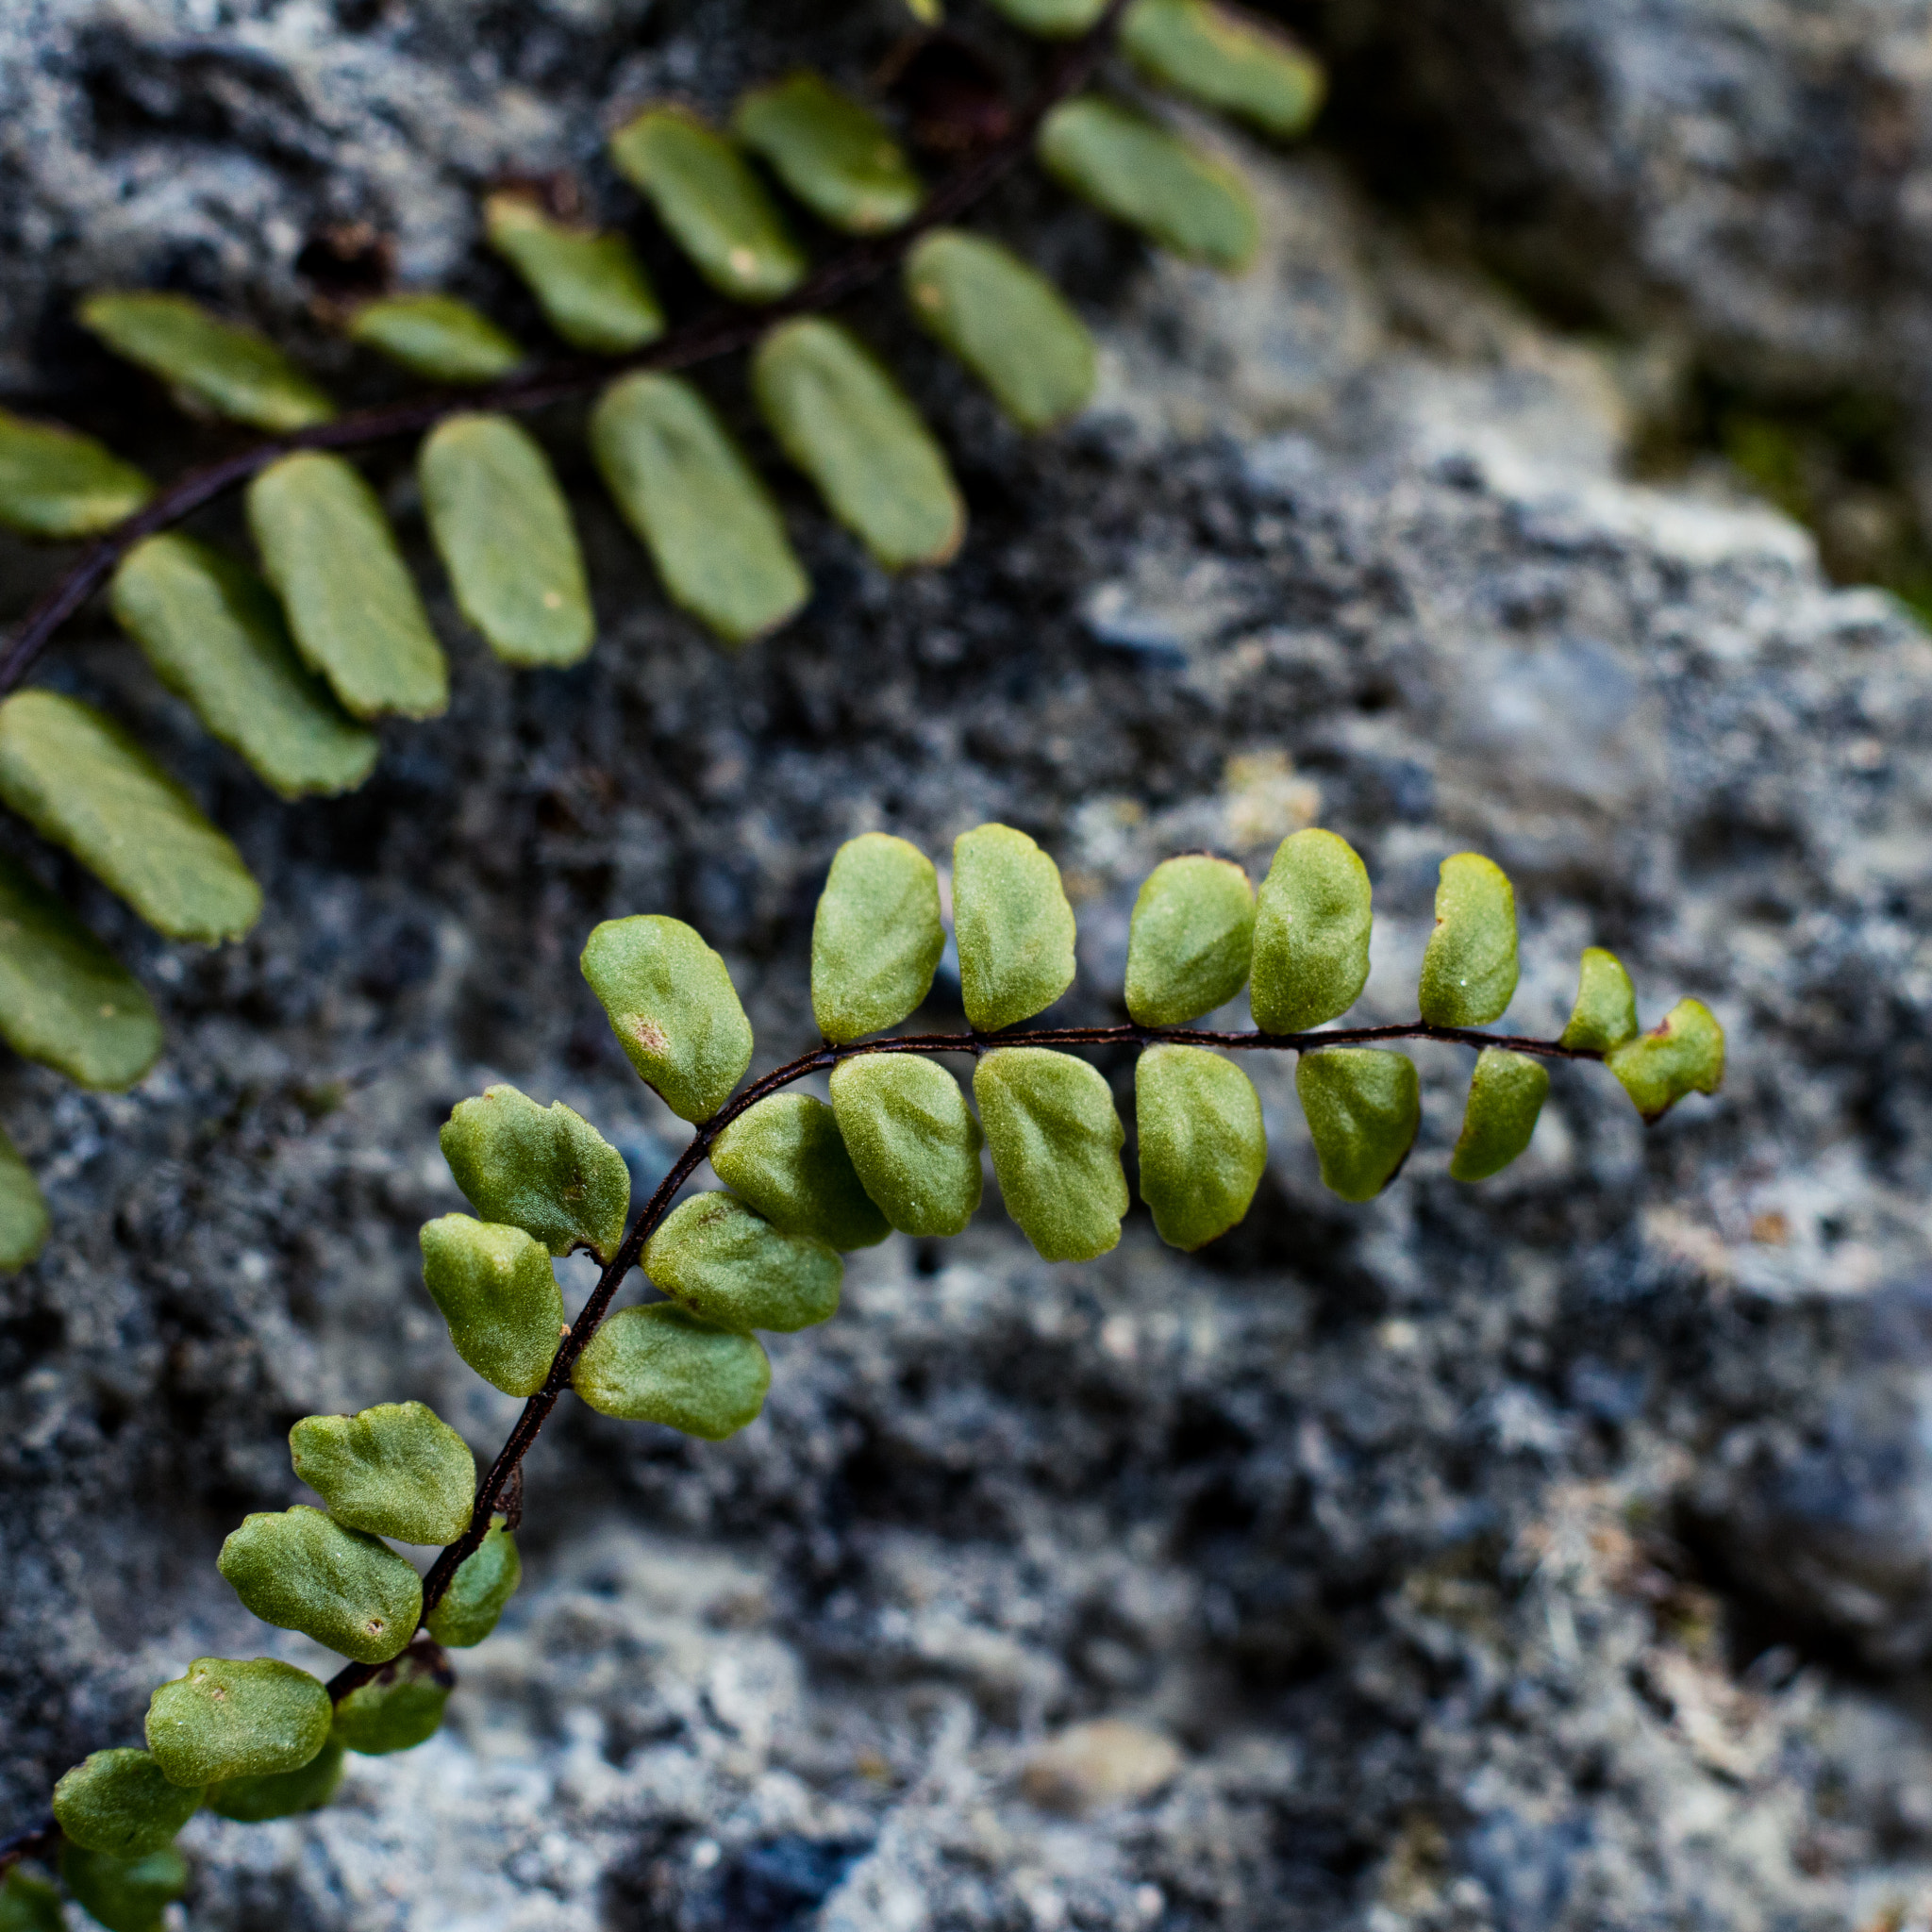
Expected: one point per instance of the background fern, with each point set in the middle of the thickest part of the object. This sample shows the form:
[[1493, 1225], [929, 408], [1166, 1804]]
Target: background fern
[[291, 665]]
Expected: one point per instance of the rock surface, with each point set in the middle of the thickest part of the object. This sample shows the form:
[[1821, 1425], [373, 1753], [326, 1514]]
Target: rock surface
[[1552, 1554]]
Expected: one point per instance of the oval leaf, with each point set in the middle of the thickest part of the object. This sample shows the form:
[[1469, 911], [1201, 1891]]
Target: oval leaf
[[1056, 20], [232, 370], [544, 1170], [1225, 58], [1363, 1107], [733, 1268], [82, 781], [912, 1138], [399, 1707], [23, 1211], [352, 605], [302, 1571], [214, 633], [1133, 169], [397, 1470], [673, 1010], [875, 938], [495, 1289], [716, 209], [1202, 1142], [839, 159], [1605, 1015], [1191, 940], [1006, 321], [505, 535], [125, 1895], [119, 1803], [1470, 967], [1685, 1054], [64, 999], [485, 1581], [437, 336], [282, 1794], [1056, 1141], [713, 532], [1506, 1094], [786, 1159], [658, 1364], [591, 288], [844, 421], [228, 1717], [1311, 933], [55, 483], [1014, 926]]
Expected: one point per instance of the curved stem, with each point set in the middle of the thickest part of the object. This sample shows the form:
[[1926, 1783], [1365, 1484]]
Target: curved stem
[[717, 333], [495, 1485]]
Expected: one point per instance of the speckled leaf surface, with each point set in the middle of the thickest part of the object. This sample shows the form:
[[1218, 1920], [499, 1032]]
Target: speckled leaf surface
[[912, 1138], [545, 1170], [877, 937], [1363, 1107], [1014, 926], [301, 1570], [1202, 1141], [658, 1364], [233, 1717], [1055, 1138]]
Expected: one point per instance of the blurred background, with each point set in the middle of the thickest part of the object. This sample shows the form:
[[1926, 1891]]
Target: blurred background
[[1553, 1555]]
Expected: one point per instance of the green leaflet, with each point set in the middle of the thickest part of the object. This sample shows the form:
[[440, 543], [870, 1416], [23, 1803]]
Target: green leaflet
[[229, 1717], [1014, 926], [733, 1268], [1191, 940], [30, 1905], [303, 1571], [658, 1364], [876, 938], [281, 1793], [118, 1802], [847, 425], [214, 633], [1055, 1142], [713, 532], [787, 1159], [124, 1895], [397, 1470], [1469, 968], [23, 1211], [913, 1141], [1058, 20], [82, 781], [436, 336], [592, 288], [837, 158], [1605, 1015], [495, 1289], [232, 370], [56, 483], [1225, 58], [64, 999], [352, 605], [399, 1707], [485, 1581], [1311, 933], [1133, 169], [716, 209], [1363, 1107], [1006, 321], [673, 1010], [544, 1170], [1683, 1055], [1506, 1094], [505, 535], [1202, 1142]]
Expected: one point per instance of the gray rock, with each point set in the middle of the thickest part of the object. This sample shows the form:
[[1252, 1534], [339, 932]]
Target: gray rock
[[1395, 1518]]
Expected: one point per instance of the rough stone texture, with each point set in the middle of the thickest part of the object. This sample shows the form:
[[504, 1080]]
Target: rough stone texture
[[1752, 176], [1552, 1554]]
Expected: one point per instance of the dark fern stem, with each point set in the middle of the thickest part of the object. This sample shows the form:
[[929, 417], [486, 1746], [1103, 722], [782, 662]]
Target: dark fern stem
[[505, 1476], [721, 332]]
